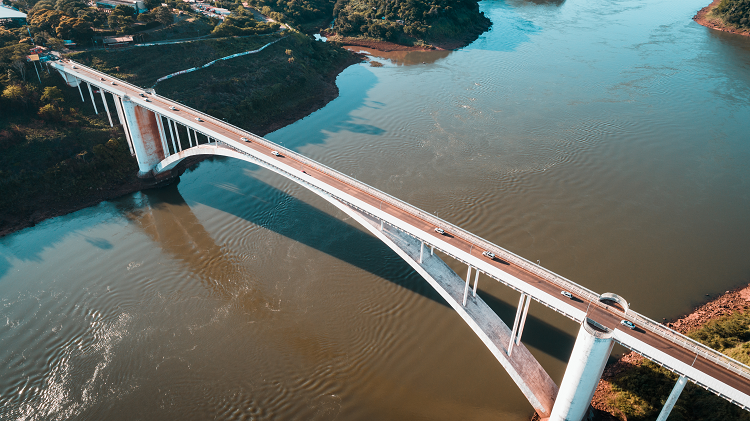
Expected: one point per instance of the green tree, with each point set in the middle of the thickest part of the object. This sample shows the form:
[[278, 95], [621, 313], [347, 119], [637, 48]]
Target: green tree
[[46, 20], [124, 11], [52, 95], [164, 16]]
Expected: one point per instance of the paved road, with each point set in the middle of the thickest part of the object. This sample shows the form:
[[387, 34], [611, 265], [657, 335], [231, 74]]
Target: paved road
[[609, 317]]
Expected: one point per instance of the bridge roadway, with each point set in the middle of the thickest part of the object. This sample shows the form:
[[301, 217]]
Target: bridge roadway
[[653, 342]]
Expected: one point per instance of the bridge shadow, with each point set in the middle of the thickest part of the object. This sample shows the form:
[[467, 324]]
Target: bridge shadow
[[539, 334], [286, 215]]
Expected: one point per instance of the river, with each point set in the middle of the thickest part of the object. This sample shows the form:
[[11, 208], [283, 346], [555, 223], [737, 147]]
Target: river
[[607, 140]]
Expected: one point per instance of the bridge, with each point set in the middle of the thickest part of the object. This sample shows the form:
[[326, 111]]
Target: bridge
[[161, 133]]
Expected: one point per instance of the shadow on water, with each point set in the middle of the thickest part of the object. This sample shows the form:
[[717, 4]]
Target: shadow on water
[[174, 225], [539, 334]]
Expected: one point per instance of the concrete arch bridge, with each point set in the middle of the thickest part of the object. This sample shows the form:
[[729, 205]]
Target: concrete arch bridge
[[161, 133]]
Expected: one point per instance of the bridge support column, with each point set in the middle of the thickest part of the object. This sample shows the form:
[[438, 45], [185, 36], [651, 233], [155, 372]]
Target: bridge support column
[[519, 322], [106, 107], [162, 135], [466, 288], [421, 252], [585, 367], [144, 133], [672, 399], [121, 116], [476, 281], [80, 91], [91, 93]]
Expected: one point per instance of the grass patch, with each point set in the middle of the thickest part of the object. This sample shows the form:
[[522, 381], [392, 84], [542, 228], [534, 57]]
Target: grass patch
[[640, 391]]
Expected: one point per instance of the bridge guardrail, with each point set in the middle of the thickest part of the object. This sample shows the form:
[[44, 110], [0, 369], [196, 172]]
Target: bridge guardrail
[[562, 282]]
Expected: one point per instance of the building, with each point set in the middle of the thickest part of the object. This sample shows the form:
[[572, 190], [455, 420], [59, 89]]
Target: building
[[138, 5], [11, 16], [117, 42]]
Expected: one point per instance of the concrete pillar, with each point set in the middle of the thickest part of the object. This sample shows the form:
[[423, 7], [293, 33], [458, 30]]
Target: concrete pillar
[[91, 93], [80, 91], [106, 107], [466, 288], [672, 399], [162, 135], [585, 367], [519, 322], [476, 281], [171, 135], [121, 116], [144, 132], [421, 252]]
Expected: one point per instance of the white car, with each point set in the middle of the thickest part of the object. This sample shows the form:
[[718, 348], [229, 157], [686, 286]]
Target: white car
[[628, 324], [489, 254], [198, 119], [244, 139], [172, 107], [275, 153], [440, 231], [567, 294]]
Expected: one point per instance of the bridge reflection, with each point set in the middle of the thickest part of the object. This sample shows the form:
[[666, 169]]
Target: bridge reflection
[[171, 222]]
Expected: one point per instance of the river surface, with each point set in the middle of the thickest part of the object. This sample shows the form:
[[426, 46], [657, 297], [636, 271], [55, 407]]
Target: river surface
[[608, 140]]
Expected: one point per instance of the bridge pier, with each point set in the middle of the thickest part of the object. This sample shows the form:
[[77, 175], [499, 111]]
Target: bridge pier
[[519, 322], [144, 135], [672, 399], [590, 353]]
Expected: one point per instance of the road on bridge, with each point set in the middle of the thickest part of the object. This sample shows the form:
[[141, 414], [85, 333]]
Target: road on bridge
[[609, 317]]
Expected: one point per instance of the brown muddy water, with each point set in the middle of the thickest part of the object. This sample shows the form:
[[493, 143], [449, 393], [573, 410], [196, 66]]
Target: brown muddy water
[[610, 141]]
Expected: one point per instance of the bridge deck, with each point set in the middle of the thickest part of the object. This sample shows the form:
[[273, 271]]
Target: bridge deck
[[643, 339]]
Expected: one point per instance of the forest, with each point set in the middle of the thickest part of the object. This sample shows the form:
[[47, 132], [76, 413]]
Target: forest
[[734, 12]]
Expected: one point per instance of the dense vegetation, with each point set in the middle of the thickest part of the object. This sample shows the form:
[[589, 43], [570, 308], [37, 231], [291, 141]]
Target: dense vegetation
[[400, 21], [640, 392], [734, 12], [54, 150], [56, 154], [258, 92]]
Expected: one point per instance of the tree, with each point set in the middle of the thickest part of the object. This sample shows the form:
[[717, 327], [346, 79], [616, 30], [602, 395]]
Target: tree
[[52, 95], [164, 16], [124, 11], [46, 20], [20, 66]]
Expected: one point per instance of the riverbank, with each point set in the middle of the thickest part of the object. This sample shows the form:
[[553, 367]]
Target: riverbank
[[310, 84], [706, 18], [633, 388]]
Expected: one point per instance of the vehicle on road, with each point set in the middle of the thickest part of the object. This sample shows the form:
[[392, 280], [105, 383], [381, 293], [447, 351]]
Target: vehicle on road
[[142, 96], [489, 254], [244, 139], [628, 324], [198, 119], [275, 153], [440, 231], [567, 294], [172, 107]]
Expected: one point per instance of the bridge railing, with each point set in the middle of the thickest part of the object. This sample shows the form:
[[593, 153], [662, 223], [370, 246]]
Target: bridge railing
[[562, 282], [510, 257]]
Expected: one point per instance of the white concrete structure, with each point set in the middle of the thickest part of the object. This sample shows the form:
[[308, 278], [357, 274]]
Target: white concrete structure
[[585, 367], [672, 399], [407, 230]]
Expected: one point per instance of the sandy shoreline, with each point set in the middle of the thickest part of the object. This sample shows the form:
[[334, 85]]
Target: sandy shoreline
[[702, 18]]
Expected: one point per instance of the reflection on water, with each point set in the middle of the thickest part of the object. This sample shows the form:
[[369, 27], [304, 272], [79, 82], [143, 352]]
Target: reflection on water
[[617, 157]]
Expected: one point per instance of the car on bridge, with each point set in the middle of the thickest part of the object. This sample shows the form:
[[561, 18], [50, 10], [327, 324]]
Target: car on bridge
[[244, 139], [172, 107], [198, 119], [628, 324], [567, 294], [489, 254], [440, 231], [275, 153]]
